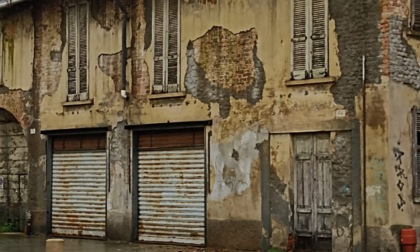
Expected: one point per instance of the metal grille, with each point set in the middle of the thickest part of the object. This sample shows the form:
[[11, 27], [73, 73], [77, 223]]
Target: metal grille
[[171, 196], [79, 194]]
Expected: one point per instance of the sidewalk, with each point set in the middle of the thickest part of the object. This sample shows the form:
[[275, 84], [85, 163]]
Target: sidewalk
[[17, 242]]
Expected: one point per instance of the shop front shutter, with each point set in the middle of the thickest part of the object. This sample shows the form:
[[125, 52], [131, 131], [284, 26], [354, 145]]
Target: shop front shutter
[[171, 189], [79, 186]]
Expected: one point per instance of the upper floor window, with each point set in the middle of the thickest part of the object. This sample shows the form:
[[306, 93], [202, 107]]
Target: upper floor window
[[166, 46], [77, 41], [309, 39], [415, 15], [1, 56]]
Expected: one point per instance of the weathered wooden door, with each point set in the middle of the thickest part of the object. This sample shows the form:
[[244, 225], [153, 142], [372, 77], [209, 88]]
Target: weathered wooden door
[[312, 218]]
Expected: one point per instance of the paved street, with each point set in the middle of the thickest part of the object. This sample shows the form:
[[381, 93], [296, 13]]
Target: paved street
[[22, 243]]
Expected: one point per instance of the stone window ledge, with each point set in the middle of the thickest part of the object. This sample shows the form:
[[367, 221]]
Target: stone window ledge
[[166, 95], [413, 33], [326, 80], [77, 103]]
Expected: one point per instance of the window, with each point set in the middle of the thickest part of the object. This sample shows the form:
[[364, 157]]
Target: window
[[77, 39], [309, 39], [1, 56], [415, 15], [166, 44], [416, 154]]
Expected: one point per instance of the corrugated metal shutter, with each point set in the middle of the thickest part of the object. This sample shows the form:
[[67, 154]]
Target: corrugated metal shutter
[[171, 189], [79, 186], [319, 38], [299, 40], [171, 196]]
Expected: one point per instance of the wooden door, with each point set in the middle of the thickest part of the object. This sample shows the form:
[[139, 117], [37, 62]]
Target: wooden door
[[312, 218]]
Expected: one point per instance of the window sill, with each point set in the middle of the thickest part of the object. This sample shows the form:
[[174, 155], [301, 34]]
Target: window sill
[[166, 95], [77, 103], [413, 33], [326, 80]]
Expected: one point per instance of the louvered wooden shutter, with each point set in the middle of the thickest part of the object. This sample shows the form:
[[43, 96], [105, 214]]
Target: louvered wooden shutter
[[173, 46], [159, 34], [83, 40], [415, 15], [299, 40], [1, 55], [416, 154], [319, 38], [72, 52]]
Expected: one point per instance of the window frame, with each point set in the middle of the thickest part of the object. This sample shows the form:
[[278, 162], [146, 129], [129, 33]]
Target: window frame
[[78, 95], [1, 55], [163, 89], [415, 153], [308, 73], [413, 19]]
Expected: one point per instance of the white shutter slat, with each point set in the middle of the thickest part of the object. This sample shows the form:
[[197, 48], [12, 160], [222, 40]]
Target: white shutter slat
[[173, 45], [159, 34], [83, 50], [72, 59], [299, 40], [319, 38]]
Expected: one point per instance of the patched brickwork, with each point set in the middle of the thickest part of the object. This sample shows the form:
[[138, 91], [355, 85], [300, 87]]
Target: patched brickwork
[[357, 26], [222, 64], [110, 64]]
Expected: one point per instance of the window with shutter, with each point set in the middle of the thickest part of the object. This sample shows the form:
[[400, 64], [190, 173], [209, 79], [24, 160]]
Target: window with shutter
[[309, 39], [77, 41], [166, 45], [416, 154], [415, 15], [1, 56]]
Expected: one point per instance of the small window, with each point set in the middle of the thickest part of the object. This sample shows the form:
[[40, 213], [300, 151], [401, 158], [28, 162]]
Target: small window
[[309, 39], [77, 42], [416, 154], [166, 45]]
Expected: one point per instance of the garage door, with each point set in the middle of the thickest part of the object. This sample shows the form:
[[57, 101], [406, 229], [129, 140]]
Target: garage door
[[171, 189], [79, 186]]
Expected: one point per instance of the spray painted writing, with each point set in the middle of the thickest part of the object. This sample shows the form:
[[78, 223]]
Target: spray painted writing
[[400, 172]]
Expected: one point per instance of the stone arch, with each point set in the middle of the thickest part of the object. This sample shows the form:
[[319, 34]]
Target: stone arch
[[14, 102], [14, 169]]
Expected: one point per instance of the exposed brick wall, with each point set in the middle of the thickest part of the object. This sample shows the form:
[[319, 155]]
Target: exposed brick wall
[[357, 26], [222, 64]]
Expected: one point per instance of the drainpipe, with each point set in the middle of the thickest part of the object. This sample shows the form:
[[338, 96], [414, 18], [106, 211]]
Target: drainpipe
[[123, 50], [364, 153], [10, 3]]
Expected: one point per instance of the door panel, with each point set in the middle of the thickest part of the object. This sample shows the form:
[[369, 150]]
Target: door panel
[[312, 190]]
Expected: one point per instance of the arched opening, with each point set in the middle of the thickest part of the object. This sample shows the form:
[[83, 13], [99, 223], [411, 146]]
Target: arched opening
[[14, 168]]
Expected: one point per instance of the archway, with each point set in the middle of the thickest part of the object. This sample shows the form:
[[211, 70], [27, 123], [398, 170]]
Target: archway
[[14, 169]]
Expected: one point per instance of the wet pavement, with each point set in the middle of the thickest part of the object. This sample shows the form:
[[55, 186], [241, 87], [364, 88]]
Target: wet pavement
[[22, 243]]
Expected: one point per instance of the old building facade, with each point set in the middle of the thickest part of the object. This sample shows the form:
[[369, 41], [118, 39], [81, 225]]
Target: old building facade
[[220, 123]]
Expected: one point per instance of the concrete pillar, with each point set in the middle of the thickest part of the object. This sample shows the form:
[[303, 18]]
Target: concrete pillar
[[54, 245]]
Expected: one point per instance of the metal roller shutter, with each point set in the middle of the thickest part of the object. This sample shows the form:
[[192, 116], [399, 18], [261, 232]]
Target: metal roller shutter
[[79, 193], [171, 194]]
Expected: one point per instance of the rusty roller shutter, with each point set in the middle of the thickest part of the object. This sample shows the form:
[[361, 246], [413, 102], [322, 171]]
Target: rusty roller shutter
[[79, 186], [171, 187]]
